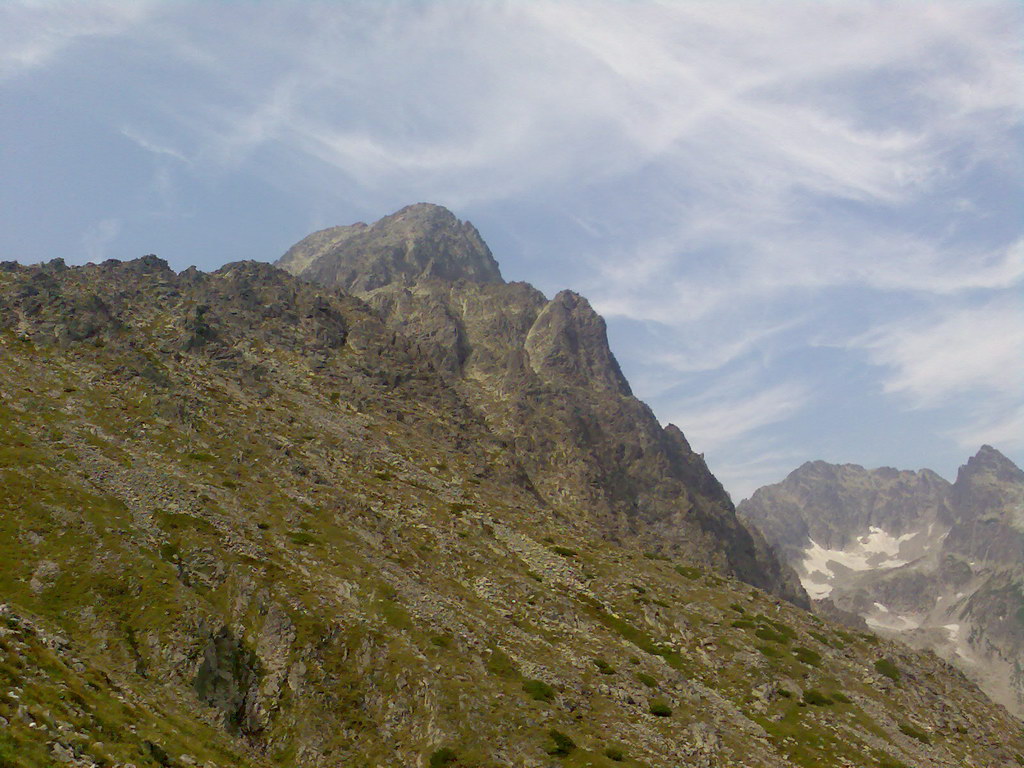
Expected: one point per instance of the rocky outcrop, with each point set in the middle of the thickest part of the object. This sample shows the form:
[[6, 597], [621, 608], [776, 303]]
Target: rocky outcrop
[[541, 374], [567, 346], [419, 241], [934, 563], [228, 680]]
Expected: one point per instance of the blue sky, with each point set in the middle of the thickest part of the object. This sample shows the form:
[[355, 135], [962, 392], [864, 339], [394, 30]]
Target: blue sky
[[802, 220]]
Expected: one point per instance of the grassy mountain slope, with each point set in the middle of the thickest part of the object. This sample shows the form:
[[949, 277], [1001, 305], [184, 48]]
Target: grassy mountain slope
[[243, 522]]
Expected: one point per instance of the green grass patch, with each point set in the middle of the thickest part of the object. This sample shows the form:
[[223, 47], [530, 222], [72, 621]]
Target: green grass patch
[[816, 698], [302, 538], [914, 732], [771, 651], [832, 642], [500, 663], [176, 521], [770, 635], [777, 626], [442, 758], [806, 743], [394, 614], [168, 552], [638, 637], [807, 656], [615, 753], [660, 708], [888, 668], [646, 679], [538, 690], [688, 572], [561, 744]]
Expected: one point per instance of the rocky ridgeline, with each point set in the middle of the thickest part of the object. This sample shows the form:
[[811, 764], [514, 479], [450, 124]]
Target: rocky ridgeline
[[272, 526], [936, 564], [541, 375]]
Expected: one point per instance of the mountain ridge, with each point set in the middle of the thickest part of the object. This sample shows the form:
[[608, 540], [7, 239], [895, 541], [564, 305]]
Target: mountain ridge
[[935, 563], [536, 369], [246, 521]]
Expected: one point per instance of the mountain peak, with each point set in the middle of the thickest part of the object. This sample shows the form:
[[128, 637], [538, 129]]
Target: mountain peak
[[422, 212], [420, 241], [541, 374], [989, 461]]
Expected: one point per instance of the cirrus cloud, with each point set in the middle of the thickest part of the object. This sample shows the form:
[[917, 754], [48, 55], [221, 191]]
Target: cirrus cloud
[[738, 185]]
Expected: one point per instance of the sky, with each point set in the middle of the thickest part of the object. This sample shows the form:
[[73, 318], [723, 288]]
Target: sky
[[802, 221]]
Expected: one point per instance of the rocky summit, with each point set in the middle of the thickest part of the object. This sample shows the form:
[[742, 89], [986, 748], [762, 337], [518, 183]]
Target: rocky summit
[[540, 374], [394, 511], [936, 564]]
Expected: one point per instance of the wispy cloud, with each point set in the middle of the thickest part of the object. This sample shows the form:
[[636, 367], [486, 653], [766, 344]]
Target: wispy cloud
[[732, 426], [712, 352], [717, 419], [968, 359], [32, 32], [1000, 424], [735, 182], [758, 465], [151, 144], [961, 349], [752, 113]]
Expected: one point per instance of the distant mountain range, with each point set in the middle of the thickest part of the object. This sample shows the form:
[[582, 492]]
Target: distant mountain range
[[392, 510], [938, 565]]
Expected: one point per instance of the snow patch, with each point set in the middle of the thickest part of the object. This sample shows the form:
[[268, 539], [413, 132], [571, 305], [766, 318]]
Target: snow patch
[[894, 622], [876, 549]]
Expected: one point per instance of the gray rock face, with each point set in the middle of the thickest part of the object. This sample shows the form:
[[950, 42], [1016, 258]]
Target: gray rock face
[[227, 680], [567, 345], [937, 564], [541, 374], [419, 241], [833, 505], [986, 510]]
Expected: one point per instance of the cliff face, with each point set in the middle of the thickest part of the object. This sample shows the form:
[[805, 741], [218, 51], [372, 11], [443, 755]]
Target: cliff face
[[834, 506], [541, 374], [937, 564]]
